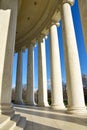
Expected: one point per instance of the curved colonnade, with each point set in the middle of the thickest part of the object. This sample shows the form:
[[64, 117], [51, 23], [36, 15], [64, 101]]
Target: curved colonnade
[[28, 32]]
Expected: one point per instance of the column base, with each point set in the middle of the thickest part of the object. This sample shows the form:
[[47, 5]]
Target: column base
[[57, 107], [19, 102], [31, 103], [77, 111], [7, 109], [43, 105]]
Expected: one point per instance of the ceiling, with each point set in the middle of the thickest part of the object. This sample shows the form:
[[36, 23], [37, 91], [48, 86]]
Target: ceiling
[[34, 19]]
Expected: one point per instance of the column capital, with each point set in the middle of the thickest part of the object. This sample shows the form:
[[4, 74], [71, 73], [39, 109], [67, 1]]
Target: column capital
[[55, 23], [21, 50], [40, 39], [30, 45], [71, 2], [33, 43]]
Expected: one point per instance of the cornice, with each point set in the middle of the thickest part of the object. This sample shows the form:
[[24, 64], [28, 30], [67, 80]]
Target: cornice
[[71, 2]]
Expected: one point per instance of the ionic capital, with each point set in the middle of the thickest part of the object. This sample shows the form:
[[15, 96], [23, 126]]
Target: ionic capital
[[30, 45], [71, 2], [21, 50], [41, 38], [55, 23]]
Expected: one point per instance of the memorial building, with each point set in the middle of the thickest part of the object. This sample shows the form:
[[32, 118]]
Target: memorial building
[[23, 23]]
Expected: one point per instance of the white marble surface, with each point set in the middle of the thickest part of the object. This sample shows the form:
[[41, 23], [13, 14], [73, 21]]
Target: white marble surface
[[56, 78], [18, 88], [42, 75], [8, 17], [30, 76], [73, 72], [48, 119]]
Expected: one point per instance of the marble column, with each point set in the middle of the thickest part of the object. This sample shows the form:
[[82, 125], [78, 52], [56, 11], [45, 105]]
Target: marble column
[[8, 18], [56, 81], [30, 76], [18, 89], [42, 76], [73, 73]]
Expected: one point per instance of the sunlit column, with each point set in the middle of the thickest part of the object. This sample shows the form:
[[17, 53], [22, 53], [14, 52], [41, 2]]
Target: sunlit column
[[56, 81], [18, 89], [42, 76], [30, 76], [74, 81], [8, 17]]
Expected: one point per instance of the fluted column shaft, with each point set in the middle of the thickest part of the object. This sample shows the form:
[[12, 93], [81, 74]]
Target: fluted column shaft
[[42, 76], [18, 89], [30, 74], [8, 20], [73, 73], [56, 81]]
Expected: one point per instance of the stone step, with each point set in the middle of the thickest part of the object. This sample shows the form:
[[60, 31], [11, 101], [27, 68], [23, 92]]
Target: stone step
[[4, 120], [11, 123], [16, 118], [21, 124]]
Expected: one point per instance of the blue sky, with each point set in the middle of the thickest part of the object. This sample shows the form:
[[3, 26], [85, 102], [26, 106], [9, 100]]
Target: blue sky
[[81, 50]]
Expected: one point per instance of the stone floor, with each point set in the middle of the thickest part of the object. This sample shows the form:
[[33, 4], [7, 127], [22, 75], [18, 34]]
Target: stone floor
[[47, 119]]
